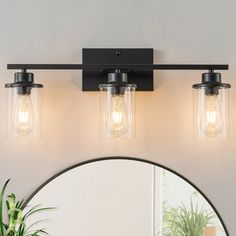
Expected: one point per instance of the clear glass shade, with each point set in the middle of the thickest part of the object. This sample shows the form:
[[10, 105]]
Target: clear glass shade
[[23, 113], [211, 113], [117, 112]]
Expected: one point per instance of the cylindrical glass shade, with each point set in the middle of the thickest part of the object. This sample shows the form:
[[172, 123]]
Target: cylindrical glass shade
[[211, 113], [23, 113], [117, 111]]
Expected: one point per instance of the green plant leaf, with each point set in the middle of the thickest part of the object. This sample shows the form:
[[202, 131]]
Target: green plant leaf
[[34, 210], [35, 223], [183, 221], [1, 207], [16, 224]]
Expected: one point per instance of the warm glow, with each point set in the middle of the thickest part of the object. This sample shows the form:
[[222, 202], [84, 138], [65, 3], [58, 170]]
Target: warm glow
[[211, 116], [23, 117], [117, 117], [212, 121]]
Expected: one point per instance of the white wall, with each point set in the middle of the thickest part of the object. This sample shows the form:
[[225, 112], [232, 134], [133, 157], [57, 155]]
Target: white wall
[[48, 31]]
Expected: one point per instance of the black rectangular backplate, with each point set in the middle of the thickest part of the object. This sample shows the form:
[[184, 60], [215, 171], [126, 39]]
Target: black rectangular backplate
[[118, 56]]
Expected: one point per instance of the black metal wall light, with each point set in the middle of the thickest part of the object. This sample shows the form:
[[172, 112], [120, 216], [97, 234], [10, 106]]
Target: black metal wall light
[[118, 73]]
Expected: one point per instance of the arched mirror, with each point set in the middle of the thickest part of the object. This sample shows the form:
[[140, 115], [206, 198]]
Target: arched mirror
[[120, 196]]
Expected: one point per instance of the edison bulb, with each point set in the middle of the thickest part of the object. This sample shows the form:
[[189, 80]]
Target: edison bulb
[[23, 119], [211, 122], [117, 117]]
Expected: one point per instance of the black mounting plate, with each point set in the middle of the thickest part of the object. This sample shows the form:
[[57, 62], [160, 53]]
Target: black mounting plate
[[118, 56]]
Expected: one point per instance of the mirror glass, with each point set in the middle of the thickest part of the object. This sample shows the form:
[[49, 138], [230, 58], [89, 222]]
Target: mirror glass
[[124, 197]]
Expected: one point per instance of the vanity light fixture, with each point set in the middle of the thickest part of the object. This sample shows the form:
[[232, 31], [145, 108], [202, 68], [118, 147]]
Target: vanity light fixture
[[117, 109], [24, 106], [211, 107], [118, 73]]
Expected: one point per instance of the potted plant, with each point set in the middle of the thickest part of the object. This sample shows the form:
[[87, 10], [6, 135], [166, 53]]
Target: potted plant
[[183, 221], [17, 214]]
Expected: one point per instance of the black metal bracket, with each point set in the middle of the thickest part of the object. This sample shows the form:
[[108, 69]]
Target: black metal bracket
[[136, 62], [121, 59]]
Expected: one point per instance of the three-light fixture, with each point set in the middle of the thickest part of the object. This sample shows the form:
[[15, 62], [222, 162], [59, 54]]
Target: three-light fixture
[[118, 73]]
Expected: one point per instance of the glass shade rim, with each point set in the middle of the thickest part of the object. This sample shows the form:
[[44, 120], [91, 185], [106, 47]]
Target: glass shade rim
[[115, 85], [22, 85], [211, 85]]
